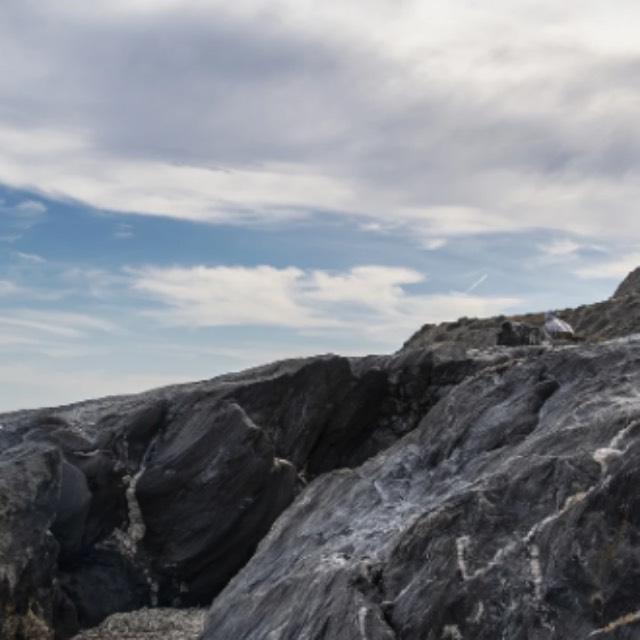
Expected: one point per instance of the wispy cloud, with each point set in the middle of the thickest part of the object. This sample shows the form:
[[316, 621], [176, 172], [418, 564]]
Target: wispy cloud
[[59, 323], [560, 249], [17, 219], [370, 299], [123, 231], [30, 257], [616, 268]]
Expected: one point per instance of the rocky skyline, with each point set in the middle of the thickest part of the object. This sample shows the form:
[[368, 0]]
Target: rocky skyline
[[189, 187]]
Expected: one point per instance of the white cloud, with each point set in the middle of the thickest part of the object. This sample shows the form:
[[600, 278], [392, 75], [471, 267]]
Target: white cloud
[[218, 296], [30, 257], [434, 119], [30, 208], [560, 248], [613, 269], [58, 323], [433, 244], [372, 300], [374, 287], [27, 214]]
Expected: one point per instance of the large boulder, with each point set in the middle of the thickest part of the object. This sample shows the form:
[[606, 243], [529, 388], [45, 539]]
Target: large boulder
[[207, 494], [517, 334], [30, 479], [160, 498], [510, 512]]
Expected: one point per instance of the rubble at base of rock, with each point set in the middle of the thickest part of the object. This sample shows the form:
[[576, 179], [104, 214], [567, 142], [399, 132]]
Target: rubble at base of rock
[[149, 624]]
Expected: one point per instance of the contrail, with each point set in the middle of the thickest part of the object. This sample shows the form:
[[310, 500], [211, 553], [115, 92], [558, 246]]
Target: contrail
[[476, 284]]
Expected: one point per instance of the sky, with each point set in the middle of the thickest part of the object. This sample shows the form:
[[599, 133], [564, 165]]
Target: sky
[[192, 187]]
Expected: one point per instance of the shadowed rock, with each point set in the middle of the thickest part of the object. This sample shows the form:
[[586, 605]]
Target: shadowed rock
[[29, 488], [517, 334], [71, 510], [209, 492]]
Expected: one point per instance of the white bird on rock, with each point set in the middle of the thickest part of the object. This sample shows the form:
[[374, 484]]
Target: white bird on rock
[[557, 328]]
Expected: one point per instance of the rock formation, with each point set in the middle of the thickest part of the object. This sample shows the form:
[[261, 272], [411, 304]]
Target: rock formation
[[160, 498], [614, 318], [510, 512], [453, 490], [630, 286]]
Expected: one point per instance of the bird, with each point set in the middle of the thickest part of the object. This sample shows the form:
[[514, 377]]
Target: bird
[[556, 328]]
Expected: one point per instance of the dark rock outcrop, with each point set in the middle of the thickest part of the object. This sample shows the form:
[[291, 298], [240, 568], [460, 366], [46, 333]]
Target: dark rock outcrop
[[207, 495], [161, 498], [454, 490], [102, 581], [509, 513], [29, 489], [517, 334]]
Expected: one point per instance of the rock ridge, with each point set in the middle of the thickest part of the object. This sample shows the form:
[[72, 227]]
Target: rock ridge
[[453, 490]]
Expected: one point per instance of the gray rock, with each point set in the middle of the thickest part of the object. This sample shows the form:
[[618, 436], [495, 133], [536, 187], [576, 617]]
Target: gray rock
[[72, 508], [614, 318], [208, 493], [165, 495], [101, 581], [517, 334], [29, 489], [453, 490], [509, 513], [630, 286]]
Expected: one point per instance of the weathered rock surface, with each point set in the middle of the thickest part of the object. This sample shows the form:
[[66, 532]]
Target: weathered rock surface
[[511, 512], [516, 334], [29, 490], [630, 286], [161, 498], [453, 490]]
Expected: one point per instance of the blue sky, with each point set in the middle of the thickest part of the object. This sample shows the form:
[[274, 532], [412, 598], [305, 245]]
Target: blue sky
[[188, 188]]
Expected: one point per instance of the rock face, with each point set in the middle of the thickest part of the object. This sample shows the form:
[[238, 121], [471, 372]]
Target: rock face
[[29, 489], [451, 491], [159, 499], [510, 512], [516, 334], [630, 286], [614, 318]]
